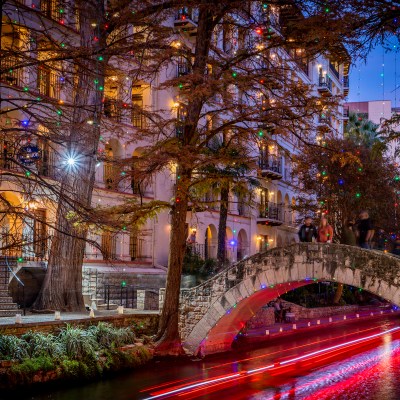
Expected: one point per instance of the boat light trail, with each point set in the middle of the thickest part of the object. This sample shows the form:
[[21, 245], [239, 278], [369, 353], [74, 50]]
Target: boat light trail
[[204, 384]]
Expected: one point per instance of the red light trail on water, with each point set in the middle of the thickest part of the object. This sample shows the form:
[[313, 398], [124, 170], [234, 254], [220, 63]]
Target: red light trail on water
[[181, 381], [187, 390]]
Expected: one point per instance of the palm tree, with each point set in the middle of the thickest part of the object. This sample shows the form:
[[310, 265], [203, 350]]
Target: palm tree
[[231, 174], [364, 132]]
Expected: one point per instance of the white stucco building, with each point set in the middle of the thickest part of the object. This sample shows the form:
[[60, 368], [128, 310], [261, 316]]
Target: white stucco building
[[249, 230]]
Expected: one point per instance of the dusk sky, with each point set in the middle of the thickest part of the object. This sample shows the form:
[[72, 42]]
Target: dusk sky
[[377, 77]]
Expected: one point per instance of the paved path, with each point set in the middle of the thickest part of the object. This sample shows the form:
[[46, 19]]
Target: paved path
[[65, 317], [289, 327]]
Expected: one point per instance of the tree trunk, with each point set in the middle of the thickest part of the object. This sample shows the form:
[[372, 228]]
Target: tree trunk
[[223, 216], [62, 286], [168, 338], [338, 294]]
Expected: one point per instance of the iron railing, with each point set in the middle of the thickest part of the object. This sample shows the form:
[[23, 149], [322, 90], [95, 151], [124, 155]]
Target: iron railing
[[11, 73], [186, 13], [204, 251], [333, 70], [112, 109], [324, 82], [126, 296], [271, 211], [270, 163]]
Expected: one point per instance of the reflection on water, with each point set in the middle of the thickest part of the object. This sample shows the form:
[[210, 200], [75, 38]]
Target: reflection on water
[[370, 375]]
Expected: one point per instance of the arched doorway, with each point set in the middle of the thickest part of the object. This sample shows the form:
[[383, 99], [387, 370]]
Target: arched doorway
[[242, 245], [231, 245], [287, 210], [210, 242]]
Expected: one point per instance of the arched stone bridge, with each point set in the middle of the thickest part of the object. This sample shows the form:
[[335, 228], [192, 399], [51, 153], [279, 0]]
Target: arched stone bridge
[[212, 314]]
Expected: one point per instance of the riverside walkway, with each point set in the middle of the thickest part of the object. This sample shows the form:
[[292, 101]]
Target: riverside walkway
[[304, 325]]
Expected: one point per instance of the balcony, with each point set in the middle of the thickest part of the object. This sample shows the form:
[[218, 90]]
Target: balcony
[[9, 74], [243, 210], [204, 251], [346, 112], [32, 246], [333, 70], [45, 166], [346, 85], [112, 109], [186, 20], [325, 85], [183, 68], [52, 9], [271, 167], [270, 214]]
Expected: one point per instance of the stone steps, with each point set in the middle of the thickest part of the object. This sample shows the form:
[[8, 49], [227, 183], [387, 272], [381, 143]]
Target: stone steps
[[7, 307], [5, 299], [10, 313]]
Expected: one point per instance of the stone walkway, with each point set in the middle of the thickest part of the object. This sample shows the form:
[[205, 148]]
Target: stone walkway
[[65, 317]]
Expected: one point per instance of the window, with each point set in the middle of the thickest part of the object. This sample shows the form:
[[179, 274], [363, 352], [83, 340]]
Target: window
[[181, 113], [135, 246], [137, 107], [183, 66], [46, 165], [48, 82], [39, 233], [263, 242], [53, 9], [109, 246]]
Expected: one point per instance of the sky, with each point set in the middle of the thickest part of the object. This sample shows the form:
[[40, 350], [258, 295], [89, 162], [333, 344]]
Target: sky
[[377, 77]]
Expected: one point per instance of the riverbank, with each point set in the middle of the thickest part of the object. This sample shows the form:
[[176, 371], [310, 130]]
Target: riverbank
[[71, 353]]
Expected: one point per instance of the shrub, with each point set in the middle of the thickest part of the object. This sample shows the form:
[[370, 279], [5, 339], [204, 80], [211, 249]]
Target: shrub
[[71, 368], [40, 344], [13, 348], [78, 343], [28, 368], [107, 335]]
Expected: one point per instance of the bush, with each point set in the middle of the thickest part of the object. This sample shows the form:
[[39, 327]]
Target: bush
[[74, 354], [193, 264], [108, 336], [13, 348], [40, 344], [78, 343], [28, 368]]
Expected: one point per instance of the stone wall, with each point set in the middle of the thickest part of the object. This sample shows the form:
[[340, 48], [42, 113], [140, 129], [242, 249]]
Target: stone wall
[[265, 316], [146, 324], [131, 296]]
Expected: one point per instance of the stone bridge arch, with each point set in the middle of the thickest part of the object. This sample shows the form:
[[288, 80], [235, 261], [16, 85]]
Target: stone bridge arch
[[212, 314]]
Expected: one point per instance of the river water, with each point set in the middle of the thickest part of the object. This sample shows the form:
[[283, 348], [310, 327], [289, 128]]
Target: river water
[[353, 361]]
